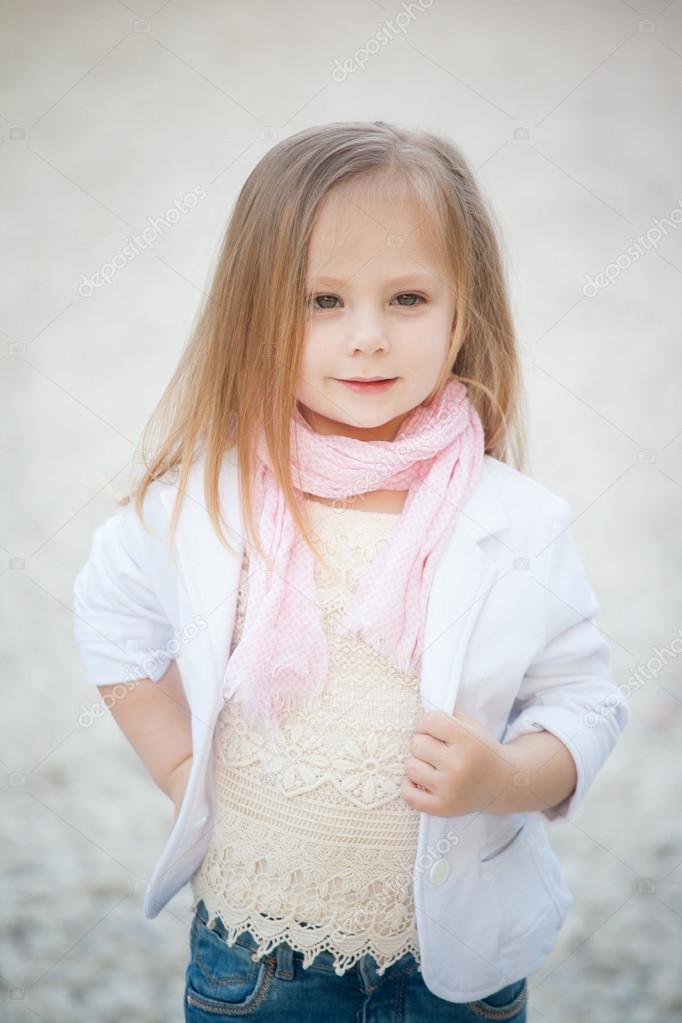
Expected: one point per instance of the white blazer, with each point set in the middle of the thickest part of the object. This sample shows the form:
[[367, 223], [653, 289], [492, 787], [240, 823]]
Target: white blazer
[[510, 638]]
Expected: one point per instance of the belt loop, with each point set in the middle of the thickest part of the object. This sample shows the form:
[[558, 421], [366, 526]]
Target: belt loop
[[285, 961]]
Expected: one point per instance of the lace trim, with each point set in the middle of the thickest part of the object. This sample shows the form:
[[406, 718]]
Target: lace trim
[[270, 931]]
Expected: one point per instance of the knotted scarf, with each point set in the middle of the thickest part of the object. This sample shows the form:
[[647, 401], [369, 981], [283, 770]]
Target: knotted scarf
[[281, 660]]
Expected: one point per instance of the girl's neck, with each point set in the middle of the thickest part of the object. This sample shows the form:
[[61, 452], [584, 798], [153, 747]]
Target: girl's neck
[[375, 500]]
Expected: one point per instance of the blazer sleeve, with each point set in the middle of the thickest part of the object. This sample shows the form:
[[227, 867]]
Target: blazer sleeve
[[567, 689], [120, 627]]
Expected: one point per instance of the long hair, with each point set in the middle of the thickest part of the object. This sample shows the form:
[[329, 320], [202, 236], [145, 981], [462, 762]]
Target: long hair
[[239, 371]]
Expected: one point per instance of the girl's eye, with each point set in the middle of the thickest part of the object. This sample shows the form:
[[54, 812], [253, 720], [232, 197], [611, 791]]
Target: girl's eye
[[310, 300], [323, 297]]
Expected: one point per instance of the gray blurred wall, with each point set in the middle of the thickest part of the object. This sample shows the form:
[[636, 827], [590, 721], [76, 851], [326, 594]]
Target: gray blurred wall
[[109, 112]]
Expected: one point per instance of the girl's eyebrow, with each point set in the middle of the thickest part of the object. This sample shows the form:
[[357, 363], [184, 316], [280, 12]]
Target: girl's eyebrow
[[396, 282]]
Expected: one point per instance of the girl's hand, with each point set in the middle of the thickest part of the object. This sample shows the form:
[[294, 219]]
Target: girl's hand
[[177, 784], [456, 766]]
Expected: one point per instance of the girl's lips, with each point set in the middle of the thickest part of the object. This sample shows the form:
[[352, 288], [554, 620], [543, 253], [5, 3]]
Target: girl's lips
[[368, 386]]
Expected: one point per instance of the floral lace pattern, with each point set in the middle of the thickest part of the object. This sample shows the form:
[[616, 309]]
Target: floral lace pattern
[[313, 843]]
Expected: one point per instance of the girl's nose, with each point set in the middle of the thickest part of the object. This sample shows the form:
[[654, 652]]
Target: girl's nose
[[366, 332]]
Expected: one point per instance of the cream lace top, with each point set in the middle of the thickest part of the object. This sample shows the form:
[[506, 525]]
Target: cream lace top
[[313, 843]]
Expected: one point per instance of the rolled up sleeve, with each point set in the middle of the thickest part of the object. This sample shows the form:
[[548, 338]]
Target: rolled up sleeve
[[120, 628], [568, 689]]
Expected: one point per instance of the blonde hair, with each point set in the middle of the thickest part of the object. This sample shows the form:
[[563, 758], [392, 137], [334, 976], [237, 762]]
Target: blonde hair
[[240, 368]]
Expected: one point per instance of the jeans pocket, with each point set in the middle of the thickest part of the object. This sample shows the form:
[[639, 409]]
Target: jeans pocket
[[222, 979], [509, 1003]]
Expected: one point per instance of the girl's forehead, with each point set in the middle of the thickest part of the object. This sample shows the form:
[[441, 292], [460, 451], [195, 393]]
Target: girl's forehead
[[351, 230], [354, 207]]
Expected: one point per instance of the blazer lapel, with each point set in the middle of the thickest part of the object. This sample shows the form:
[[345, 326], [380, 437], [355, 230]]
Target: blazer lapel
[[464, 576], [210, 574]]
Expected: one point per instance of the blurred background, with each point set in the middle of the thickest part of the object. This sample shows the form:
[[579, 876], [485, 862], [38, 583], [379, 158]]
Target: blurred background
[[122, 120]]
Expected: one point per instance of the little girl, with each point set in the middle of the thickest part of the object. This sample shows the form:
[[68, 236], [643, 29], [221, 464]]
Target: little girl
[[395, 675]]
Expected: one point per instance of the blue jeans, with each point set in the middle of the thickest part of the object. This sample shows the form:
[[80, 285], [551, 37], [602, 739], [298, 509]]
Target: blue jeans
[[223, 980]]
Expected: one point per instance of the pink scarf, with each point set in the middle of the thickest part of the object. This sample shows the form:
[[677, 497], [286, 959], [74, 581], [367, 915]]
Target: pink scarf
[[282, 658]]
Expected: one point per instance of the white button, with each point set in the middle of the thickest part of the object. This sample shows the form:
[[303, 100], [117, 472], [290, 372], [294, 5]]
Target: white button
[[439, 871]]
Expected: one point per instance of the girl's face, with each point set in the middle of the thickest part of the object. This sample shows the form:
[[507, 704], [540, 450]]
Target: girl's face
[[379, 306]]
